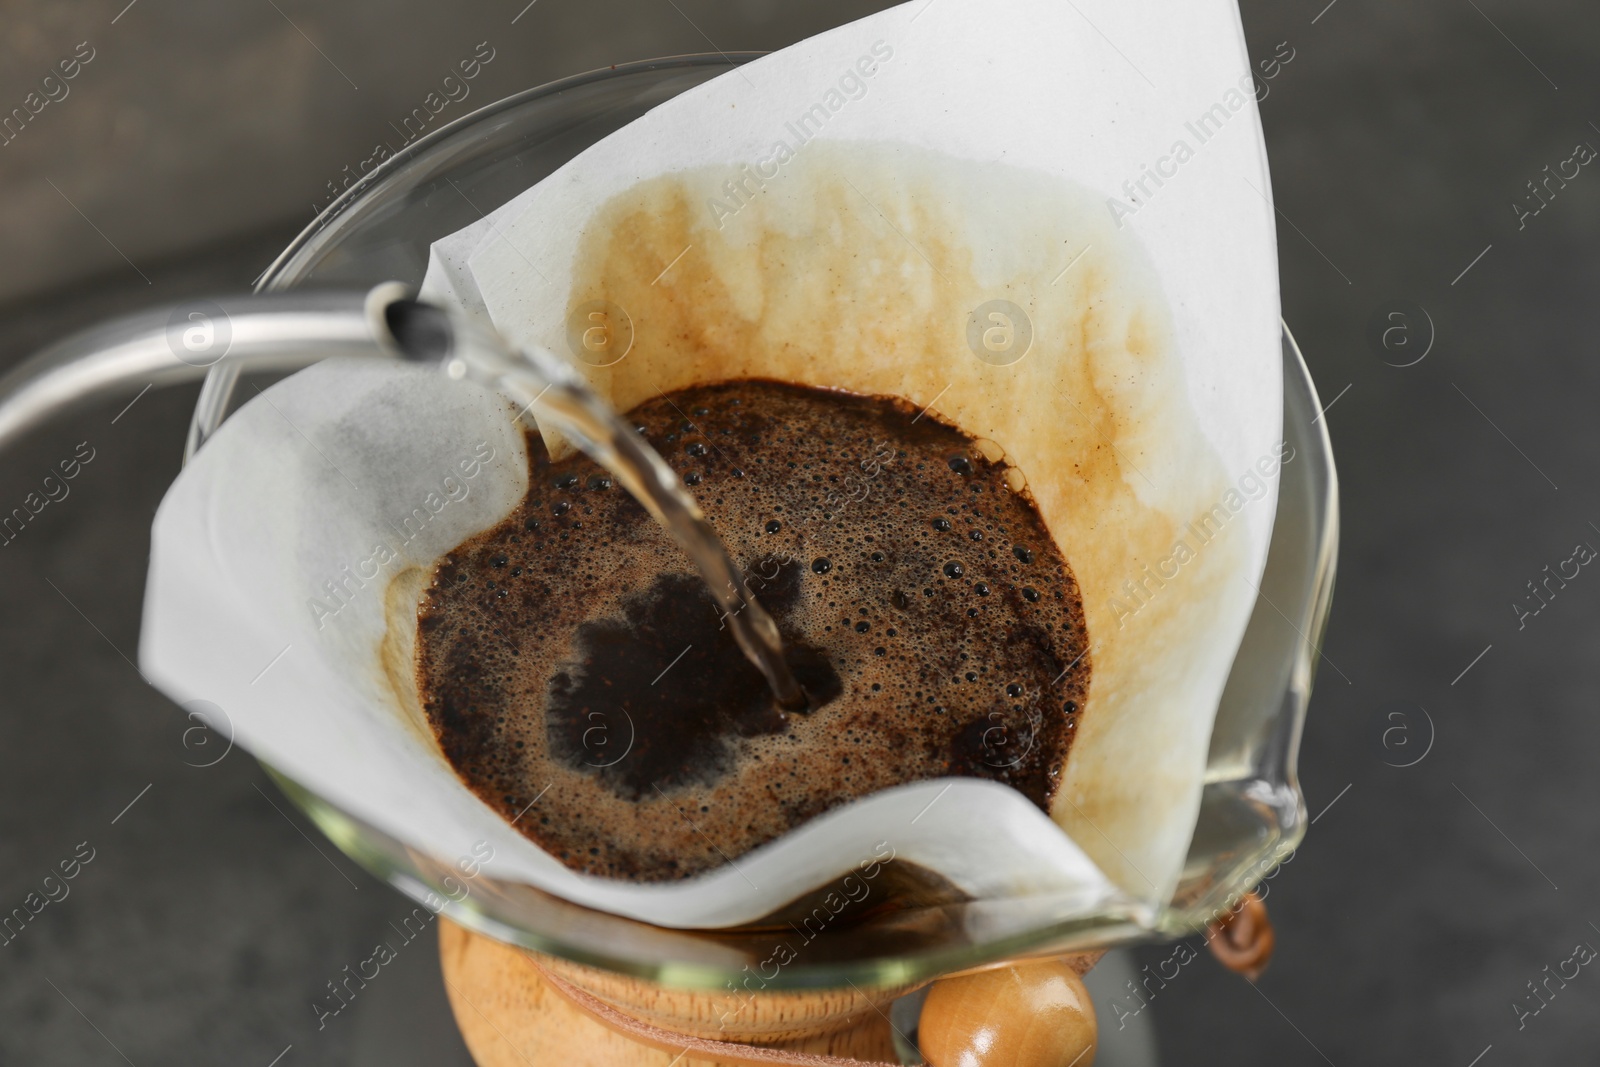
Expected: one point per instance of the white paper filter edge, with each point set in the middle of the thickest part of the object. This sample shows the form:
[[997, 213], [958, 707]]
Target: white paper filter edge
[[303, 484]]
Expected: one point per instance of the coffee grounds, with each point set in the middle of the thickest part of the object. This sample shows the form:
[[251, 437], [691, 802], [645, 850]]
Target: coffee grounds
[[580, 678]]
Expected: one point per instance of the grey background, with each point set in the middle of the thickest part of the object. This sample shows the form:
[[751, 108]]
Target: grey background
[[197, 141]]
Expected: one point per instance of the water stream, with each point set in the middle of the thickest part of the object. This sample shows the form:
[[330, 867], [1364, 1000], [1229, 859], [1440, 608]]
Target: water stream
[[540, 382]]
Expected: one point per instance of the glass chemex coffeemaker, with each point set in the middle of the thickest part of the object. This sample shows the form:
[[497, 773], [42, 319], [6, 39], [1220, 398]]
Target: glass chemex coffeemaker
[[535, 978]]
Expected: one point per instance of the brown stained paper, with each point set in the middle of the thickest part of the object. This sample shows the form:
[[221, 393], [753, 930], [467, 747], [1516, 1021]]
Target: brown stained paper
[[856, 273], [838, 215]]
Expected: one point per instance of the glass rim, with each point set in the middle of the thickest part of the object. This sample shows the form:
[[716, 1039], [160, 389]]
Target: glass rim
[[276, 272]]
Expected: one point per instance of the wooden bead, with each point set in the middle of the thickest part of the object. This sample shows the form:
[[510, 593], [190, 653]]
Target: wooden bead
[[1034, 1014]]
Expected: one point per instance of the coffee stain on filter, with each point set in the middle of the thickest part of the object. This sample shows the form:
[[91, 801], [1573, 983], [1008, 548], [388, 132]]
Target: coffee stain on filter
[[858, 269]]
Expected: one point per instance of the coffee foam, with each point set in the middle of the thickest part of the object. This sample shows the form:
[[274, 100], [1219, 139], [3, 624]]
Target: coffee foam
[[581, 681]]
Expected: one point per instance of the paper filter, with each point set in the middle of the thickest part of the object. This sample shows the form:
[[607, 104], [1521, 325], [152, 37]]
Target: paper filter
[[1047, 223]]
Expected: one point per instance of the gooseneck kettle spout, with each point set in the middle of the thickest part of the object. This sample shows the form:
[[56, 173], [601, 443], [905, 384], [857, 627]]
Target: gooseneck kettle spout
[[286, 331]]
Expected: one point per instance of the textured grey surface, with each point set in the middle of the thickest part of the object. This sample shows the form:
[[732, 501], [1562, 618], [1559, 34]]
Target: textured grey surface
[[1419, 905], [212, 912], [196, 120], [1423, 899]]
